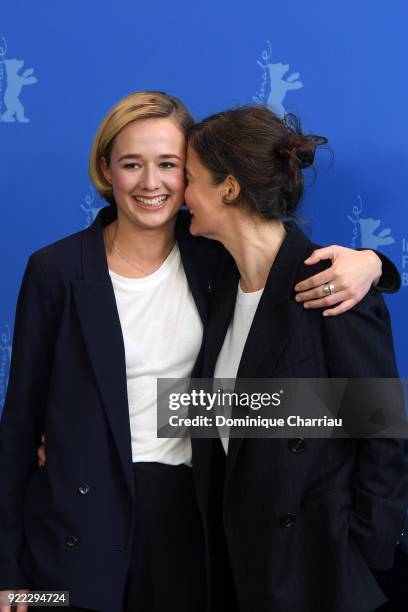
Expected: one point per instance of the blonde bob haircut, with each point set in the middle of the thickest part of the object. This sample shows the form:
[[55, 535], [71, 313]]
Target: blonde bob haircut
[[134, 107]]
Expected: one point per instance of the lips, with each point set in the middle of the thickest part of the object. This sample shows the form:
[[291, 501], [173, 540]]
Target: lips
[[153, 203]]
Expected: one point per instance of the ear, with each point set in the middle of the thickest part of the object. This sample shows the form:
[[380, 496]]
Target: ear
[[230, 189], [104, 166]]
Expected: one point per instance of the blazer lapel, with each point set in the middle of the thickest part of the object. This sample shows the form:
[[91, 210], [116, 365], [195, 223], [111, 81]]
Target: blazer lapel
[[204, 450], [199, 259], [96, 306], [222, 312], [275, 320]]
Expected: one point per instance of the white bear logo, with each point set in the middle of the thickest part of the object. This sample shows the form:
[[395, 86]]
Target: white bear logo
[[371, 240], [278, 85], [15, 83], [89, 208], [365, 228]]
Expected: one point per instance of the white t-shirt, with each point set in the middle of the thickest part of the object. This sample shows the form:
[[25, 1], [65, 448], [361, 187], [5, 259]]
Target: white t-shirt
[[230, 355], [162, 334]]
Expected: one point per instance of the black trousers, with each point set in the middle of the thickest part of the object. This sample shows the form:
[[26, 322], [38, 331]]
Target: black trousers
[[167, 570]]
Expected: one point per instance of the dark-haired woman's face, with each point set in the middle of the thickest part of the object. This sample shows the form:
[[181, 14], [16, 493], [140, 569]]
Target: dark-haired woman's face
[[203, 198]]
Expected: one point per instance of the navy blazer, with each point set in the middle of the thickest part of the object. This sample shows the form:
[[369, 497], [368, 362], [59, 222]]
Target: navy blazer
[[69, 525], [303, 519]]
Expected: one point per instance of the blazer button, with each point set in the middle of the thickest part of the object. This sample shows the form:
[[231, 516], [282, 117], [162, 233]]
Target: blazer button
[[288, 520], [71, 541], [84, 488], [297, 445]]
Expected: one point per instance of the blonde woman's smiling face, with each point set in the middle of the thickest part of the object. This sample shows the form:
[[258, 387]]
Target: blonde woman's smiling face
[[146, 171]]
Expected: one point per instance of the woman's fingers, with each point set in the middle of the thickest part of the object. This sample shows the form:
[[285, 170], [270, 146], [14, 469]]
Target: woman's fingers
[[317, 280], [315, 294], [22, 607], [336, 303], [340, 309], [350, 277], [320, 254], [41, 453], [41, 456], [349, 269], [328, 300], [7, 604]]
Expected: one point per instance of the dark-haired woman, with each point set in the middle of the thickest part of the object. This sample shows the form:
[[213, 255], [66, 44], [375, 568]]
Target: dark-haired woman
[[303, 520]]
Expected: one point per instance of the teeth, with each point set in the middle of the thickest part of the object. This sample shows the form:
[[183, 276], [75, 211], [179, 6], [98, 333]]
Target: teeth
[[151, 201]]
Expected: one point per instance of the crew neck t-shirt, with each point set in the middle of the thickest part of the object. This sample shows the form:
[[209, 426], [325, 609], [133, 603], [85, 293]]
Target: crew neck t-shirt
[[231, 352], [162, 333]]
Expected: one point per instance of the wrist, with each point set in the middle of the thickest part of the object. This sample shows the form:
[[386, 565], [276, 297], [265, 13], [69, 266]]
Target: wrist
[[376, 264]]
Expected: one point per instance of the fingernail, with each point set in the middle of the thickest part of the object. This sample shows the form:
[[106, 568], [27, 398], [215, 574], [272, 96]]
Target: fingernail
[[305, 305]]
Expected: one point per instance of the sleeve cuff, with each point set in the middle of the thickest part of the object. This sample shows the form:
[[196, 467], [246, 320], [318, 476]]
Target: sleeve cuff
[[390, 279]]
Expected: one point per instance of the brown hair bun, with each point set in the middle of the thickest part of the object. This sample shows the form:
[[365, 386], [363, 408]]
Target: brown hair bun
[[265, 154]]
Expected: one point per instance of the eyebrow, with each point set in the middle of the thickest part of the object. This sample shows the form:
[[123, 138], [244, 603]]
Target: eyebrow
[[138, 156]]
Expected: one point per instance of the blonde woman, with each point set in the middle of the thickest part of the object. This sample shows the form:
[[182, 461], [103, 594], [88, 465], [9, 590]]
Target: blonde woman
[[112, 517]]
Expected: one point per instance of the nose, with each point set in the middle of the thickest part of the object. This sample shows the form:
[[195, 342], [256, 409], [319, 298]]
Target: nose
[[150, 179]]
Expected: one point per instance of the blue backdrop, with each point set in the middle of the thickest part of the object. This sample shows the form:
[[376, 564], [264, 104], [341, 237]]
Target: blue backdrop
[[341, 66]]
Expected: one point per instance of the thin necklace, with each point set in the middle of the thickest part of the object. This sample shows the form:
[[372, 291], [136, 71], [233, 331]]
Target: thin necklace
[[132, 263]]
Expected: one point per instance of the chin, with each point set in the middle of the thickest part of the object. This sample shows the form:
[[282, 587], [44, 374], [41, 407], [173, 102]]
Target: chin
[[194, 228], [197, 229]]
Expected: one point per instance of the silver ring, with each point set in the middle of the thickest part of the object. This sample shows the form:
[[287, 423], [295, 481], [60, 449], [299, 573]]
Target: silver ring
[[329, 289]]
